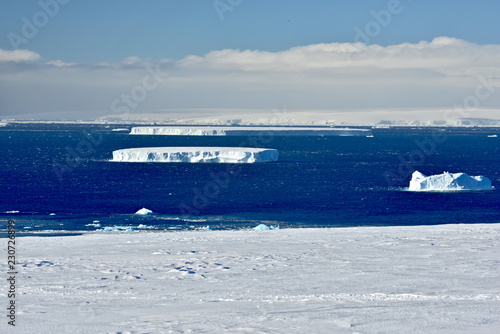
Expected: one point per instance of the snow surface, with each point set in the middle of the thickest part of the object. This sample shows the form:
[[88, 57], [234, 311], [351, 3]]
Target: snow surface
[[144, 211], [196, 154], [245, 131], [449, 182], [423, 279]]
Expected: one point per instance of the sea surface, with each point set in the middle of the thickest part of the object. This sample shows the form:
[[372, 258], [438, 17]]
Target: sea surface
[[57, 178]]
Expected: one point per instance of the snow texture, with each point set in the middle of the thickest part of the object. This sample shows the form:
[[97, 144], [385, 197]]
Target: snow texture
[[246, 131], [196, 154], [449, 182], [422, 279]]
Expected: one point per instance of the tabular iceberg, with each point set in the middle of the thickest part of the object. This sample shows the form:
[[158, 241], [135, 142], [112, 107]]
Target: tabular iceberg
[[196, 154], [246, 131], [449, 182]]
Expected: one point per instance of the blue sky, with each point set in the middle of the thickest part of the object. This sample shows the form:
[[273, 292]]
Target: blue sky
[[93, 31], [103, 48]]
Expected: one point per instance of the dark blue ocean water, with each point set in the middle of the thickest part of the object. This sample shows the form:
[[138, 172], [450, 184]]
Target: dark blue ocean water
[[64, 170]]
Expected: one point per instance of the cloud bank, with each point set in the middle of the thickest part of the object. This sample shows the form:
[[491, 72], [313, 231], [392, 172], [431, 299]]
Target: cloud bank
[[18, 55], [354, 76]]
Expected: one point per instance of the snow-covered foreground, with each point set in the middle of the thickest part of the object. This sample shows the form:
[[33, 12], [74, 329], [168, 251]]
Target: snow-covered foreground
[[437, 279]]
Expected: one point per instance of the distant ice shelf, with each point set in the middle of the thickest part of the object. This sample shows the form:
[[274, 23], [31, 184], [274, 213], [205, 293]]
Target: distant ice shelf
[[196, 154], [449, 182], [246, 131]]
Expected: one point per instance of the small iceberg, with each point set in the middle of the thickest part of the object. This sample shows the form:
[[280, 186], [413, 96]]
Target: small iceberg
[[264, 227], [120, 130], [93, 224], [492, 136], [144, 211], [449, 182]]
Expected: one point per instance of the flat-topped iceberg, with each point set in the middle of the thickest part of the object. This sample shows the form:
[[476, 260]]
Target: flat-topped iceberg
[[246, 131], [196, 154], [449, 182]]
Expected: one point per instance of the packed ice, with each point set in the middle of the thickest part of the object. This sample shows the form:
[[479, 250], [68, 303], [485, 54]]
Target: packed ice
[[449, 182], [196, 154]]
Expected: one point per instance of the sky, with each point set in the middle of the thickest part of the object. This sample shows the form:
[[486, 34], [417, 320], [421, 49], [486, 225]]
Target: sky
[[83, 59]]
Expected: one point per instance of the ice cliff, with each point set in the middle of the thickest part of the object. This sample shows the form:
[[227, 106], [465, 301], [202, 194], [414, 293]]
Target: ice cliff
[[246, 131], [196, 154]]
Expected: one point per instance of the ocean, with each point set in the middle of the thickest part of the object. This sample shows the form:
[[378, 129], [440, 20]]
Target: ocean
[[57, 179]]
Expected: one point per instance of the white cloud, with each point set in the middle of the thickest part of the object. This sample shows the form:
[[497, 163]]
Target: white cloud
[[441, 53], [59, 63], [18, 55], [435, 74]]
